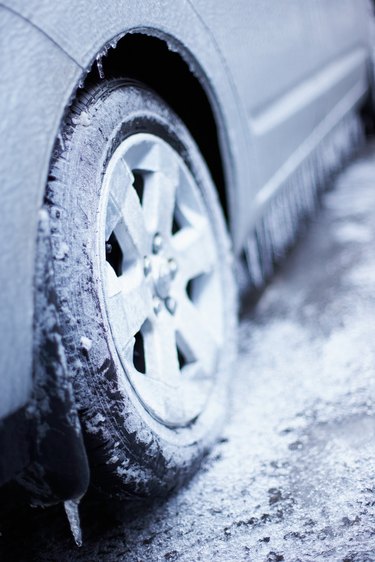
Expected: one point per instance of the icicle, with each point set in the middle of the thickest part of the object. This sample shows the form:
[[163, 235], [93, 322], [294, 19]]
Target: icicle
[[72, 513], [265, 249], [284, 220], [280, 242], [99, 64], [253, 262], [273, 227], [289, 194], [99, 59], [313, 186], [61, 141], [305, 192], [294, 200], [298, 198]]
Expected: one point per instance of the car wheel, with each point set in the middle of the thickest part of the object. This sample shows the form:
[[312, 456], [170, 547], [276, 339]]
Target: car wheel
[[145, 289]]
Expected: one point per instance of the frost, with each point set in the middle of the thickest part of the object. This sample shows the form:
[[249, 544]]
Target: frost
[[293, 475], [353, 232], [363, 276], [62, 251], [297, 198], [71, 510], [95, 425], [61, 141], [99, 63], [98, 418], [82, 119], [43, 217], [100, 56], [114, 459], [86, 343]]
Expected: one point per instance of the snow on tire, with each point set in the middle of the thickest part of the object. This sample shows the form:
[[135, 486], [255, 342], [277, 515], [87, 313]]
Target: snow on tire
[[143, 275]]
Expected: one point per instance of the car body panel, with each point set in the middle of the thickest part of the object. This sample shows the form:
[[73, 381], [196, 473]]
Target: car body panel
[[34, 95], [83, 33], [265, 108], [292, 63]]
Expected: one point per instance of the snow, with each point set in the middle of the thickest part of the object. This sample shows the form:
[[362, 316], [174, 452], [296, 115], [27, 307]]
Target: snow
[[82, 119], [86, 343], [61, 251], [295, 197], [292, 478], [353, 232]]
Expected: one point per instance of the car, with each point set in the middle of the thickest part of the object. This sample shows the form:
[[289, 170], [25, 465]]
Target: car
[[153, 154]]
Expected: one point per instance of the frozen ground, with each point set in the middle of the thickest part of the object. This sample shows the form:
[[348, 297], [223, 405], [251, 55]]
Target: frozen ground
[[293, 477]]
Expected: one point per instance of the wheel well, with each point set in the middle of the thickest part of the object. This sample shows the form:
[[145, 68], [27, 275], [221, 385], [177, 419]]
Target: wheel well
[[150, 60]]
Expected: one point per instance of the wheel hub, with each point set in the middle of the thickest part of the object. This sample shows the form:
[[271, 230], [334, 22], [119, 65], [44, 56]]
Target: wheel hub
[[163, 270]]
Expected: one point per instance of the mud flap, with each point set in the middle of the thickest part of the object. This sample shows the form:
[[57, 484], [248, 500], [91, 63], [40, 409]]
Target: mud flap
[[59, 468]]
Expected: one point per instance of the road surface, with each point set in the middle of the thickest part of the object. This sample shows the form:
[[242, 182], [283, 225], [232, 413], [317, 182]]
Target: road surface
[[293, 477]]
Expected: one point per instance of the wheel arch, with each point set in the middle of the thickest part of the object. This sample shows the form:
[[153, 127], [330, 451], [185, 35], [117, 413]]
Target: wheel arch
[[150, 59]]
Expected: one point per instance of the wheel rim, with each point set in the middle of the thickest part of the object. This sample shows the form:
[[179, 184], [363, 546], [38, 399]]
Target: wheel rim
[[161, 278]]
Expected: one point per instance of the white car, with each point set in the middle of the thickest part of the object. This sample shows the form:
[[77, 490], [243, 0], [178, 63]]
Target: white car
[[149, 150]]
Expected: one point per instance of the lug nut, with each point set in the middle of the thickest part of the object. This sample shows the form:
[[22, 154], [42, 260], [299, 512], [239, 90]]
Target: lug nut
[[170, 305], [147, 267], [173, 267], [157, 305], [157, 243]]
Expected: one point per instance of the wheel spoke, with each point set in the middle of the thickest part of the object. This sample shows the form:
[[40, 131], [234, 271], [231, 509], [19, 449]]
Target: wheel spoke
[[195, 340], [195, 251], [134, 221], [129, 302], [113, 218], [121, 180], [159, 201], [112, 283], [157, 158], [125, 213], [160, 187], [166, 401], [161, 351]]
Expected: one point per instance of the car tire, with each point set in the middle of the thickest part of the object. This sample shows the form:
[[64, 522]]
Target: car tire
[[143, 275]]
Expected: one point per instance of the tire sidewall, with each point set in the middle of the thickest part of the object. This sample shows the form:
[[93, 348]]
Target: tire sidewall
[[145, 455]]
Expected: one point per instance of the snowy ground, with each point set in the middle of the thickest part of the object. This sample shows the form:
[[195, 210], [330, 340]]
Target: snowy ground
[[293, 477]]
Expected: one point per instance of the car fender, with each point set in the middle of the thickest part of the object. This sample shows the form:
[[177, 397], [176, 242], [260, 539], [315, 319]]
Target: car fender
[[47, 50]]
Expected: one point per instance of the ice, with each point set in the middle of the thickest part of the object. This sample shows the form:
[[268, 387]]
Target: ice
[[96, 424], [61, 141], [298, 197], [71, 510], [86, 343], [83, 119], [62, 251], [99, 63], [101, 55]]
